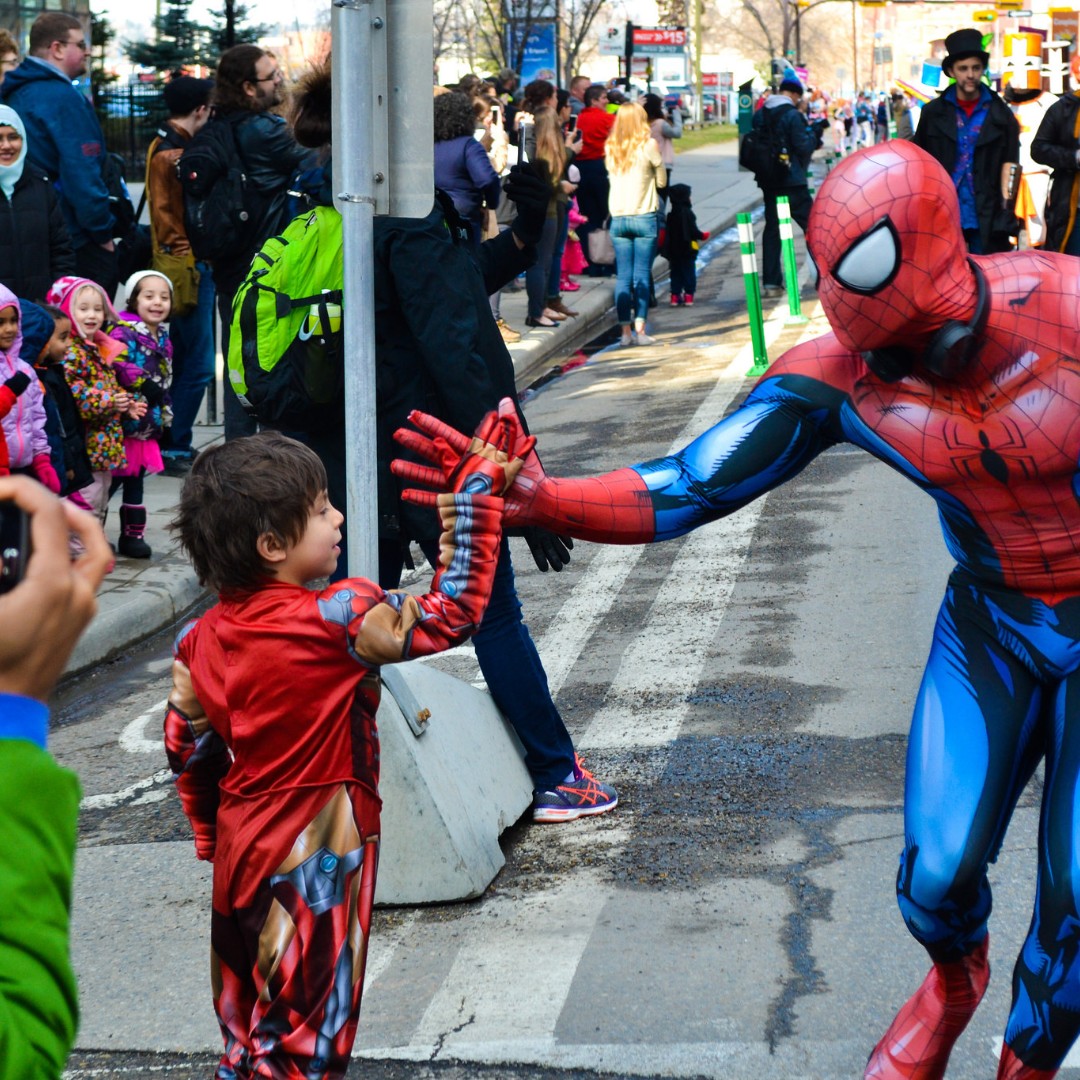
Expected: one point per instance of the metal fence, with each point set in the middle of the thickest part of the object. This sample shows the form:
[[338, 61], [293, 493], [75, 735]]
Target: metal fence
[[130, 116]]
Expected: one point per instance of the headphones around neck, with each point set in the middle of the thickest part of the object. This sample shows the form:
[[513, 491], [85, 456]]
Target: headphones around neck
[[947, 353]]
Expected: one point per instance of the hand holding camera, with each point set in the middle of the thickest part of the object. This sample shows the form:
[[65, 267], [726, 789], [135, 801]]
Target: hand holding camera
[[46, 599]]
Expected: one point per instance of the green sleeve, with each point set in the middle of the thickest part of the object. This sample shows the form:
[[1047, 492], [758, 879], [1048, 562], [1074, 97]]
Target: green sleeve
[[39, 806]]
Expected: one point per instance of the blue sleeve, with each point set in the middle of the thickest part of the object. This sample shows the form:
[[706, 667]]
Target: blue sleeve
[[79, 145], [482, 173], [780, 428], [23, 718]]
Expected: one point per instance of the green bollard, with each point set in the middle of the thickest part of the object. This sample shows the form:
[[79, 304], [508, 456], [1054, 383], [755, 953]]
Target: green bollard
[[753, 296], [791, 270]]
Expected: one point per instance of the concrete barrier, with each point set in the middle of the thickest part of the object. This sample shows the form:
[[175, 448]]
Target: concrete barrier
[[447, 793]]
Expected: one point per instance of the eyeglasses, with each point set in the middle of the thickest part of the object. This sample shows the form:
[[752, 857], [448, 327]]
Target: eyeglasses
[[276, 76], [80, 45]]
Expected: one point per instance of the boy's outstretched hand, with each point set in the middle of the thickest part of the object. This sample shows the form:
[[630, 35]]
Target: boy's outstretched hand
[[499, 450]]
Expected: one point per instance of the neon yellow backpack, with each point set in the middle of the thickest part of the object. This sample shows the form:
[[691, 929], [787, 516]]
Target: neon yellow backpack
[[285, 345]]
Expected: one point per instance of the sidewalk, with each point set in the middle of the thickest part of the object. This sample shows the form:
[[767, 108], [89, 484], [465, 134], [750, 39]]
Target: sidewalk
[[144, 596]]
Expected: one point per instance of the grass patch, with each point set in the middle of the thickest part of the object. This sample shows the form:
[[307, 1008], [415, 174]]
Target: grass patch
[[706, 136]]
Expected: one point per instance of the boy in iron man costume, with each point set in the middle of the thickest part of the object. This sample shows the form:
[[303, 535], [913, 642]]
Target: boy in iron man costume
[[271, 736], [962, 373]]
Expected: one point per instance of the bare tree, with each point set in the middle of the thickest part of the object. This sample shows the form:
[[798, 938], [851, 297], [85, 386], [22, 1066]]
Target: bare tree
[[767, 28], [578, 19]]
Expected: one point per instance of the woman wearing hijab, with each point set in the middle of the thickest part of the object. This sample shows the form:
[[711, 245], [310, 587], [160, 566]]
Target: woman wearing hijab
[[35, 248]]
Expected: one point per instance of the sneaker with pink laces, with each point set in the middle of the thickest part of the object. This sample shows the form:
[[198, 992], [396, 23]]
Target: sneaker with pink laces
[[583, 796]]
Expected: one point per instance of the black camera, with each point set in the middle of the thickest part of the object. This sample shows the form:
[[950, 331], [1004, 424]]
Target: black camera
[[14, 545]]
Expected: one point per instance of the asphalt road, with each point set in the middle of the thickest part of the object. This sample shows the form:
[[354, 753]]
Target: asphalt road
[[747, 688]]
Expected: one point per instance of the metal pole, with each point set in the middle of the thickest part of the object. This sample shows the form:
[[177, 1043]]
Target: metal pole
[[855, 45], [753, 295], [353, 31]]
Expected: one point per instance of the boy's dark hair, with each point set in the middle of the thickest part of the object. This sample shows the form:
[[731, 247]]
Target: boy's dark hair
[[311, 106], [54, 313], [236, 492]]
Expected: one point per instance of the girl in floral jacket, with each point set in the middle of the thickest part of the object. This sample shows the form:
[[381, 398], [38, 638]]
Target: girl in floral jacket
[[146, 368], [102, 402]]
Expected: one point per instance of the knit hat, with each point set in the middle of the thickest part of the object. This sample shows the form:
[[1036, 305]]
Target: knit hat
[[791, 86], [962, 44], [132, 282], [63, 291], [184, 94]]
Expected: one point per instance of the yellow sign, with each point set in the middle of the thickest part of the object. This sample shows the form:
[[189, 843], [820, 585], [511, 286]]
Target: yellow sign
[[1007, 5], [872, 3], [984, 16]]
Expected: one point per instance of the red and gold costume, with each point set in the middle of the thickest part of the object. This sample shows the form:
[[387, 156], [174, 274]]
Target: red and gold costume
[[271, 735]]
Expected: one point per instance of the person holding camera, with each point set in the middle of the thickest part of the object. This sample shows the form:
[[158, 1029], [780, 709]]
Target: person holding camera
[[794, 141], [44, 609]]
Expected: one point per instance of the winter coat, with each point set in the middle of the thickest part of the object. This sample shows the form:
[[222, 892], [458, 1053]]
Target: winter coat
[[463, 171], [88, 368], [23, 425], [791, 131], [63, 425], [436, 348], [64, 142], [35, 248], [1055, 144], [270, 157], [148, 360], [682, 234], [998, 142]]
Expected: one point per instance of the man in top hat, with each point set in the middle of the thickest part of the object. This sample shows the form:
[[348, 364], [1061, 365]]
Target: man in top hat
[[973, 133]]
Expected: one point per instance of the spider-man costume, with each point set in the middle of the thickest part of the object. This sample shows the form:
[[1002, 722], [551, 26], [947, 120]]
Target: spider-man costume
[[964, 375], [271, 736]]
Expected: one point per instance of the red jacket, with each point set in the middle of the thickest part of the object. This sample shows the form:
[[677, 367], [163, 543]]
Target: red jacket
[[595, 125]]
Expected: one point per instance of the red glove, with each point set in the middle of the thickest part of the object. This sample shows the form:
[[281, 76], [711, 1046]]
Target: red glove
[[706, 235], [44, 471], [448, 449]]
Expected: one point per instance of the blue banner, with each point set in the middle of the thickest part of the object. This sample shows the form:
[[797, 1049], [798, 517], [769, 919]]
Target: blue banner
[[539, 60]]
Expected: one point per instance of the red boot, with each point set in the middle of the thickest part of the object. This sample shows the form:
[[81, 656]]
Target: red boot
[[920, 1039], [1012, 1068]]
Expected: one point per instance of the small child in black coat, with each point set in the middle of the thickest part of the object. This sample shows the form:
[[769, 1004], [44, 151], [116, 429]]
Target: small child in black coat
[[681, 244], [46, 333]]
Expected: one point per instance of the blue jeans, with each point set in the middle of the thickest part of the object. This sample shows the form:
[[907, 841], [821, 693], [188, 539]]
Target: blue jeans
[[634, 239], [193, 362], [516, 678]]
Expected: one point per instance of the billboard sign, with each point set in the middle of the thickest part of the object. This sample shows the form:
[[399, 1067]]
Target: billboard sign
[[539, 59], [659, 40]]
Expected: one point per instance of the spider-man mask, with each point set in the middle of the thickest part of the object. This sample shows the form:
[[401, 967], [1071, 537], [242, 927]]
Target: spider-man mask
[[885, 235]]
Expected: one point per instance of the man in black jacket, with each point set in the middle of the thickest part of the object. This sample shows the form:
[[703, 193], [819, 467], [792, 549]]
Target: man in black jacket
[[1056, 144], [974, 134], [438, 348], [782, 123], [248, 85]]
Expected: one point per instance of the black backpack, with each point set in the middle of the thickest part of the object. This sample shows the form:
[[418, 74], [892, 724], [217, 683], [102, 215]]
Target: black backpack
[[133, 246], [763, 152], [217, 202]]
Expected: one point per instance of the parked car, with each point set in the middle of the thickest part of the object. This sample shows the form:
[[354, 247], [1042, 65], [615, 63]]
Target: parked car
[[682, 98]]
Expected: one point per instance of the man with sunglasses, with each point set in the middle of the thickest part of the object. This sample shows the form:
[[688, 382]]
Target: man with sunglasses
[[249, 85], [64, 139]]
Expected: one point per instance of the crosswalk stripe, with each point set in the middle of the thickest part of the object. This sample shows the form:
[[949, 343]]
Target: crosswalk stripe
[[592, 598]]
